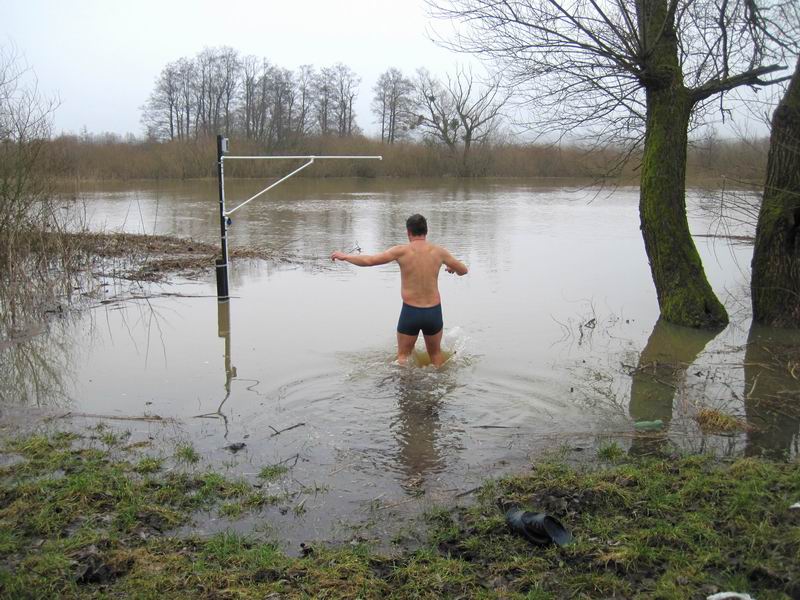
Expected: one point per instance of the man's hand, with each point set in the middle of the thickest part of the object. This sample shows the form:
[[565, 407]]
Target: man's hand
[[449, 270], [338, 256]]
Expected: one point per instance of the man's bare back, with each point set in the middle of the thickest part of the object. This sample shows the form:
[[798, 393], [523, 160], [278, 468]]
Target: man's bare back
[[420, 263]]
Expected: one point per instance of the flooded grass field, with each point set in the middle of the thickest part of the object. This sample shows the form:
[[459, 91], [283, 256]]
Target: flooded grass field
[[554, 338]]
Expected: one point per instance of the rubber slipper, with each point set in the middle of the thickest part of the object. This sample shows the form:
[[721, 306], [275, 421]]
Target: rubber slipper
[[537, 528], [515, 519], [544, 526]]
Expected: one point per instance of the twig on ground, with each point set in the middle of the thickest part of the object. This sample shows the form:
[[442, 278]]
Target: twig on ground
[[280, 431], [70, 415]]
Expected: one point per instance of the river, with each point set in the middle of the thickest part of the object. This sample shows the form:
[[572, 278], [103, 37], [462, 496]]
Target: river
[[553, 329]]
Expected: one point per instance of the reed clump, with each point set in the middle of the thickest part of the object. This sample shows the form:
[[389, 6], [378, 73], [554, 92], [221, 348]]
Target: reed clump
[[711, 420], [110, 157]]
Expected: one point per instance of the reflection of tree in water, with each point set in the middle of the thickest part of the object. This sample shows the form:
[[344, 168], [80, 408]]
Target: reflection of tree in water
[[661, 371], [39, 344], [772, 392], [35, 366], [35, 351], [417, 425]]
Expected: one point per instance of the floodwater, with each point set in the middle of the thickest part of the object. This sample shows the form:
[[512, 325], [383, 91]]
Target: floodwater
[[554, 333]]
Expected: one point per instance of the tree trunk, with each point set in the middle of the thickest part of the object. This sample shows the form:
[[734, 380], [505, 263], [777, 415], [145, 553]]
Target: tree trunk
[[684, 294], [775, 284]]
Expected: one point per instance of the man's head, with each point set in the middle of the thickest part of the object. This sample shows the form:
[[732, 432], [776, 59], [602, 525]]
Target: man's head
[[417, 226]]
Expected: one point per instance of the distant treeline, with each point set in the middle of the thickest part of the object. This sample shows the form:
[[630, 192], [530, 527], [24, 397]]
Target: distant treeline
[[429, 126], [110, 157], [220, 91]]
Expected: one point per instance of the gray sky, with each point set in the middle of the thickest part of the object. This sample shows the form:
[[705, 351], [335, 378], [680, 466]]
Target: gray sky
[[101, 57]]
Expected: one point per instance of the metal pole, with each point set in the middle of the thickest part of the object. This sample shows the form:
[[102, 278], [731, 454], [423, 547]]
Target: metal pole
[[222, 263], [222, 149]]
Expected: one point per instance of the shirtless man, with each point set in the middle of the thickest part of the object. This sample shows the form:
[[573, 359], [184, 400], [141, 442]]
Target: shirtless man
[[419, 262]]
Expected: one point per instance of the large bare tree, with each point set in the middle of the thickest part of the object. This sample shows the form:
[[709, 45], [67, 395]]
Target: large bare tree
[[775, 283], [637, 71]]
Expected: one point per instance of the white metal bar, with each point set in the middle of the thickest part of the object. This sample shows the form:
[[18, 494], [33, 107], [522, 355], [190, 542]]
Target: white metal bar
[[265, 190], [310, 157]]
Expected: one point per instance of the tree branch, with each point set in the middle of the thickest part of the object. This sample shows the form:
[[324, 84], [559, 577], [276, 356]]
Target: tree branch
[[751, 77]]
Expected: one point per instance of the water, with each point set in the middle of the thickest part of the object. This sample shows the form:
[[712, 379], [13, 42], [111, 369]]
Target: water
[[553, 331]]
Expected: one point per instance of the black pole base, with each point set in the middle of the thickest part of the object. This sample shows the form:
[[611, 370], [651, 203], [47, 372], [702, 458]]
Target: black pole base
[[222, 279]]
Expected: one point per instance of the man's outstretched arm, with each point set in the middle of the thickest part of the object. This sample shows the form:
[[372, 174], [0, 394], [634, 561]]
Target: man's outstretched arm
[[369, 260], [452, 265]]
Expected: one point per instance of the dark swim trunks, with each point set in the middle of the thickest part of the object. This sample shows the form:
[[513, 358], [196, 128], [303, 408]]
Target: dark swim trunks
[[414, 318]]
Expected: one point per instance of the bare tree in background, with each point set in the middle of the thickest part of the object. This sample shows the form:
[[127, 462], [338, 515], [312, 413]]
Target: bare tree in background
[[187, 103], [252, 109], [161, 113], [392, 104], [218, 91], [346, 90], [283, 98], [477, 106], [325, 99], [775, 284], [460, 112], [215, 87], [228, 67], [637, 72], [304, 83], [438, 117]]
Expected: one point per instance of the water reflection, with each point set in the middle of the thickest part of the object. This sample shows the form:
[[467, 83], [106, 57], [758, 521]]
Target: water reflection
[[37, 347], [661, 372], [36, 366], [421, 399], [224, 331], [772, 392]]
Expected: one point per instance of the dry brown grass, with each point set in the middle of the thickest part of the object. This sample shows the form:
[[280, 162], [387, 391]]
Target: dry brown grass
[[111, 158], [148, 257], [711, 420]]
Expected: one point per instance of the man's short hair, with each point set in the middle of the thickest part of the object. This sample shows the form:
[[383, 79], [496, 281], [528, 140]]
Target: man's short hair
[[417, 225]]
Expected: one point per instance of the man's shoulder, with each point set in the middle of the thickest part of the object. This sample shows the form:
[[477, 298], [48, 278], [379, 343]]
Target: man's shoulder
[[398, 251]]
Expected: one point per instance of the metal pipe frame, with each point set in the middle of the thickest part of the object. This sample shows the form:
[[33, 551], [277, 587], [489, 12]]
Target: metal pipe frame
[[308, 157], [310, 162]]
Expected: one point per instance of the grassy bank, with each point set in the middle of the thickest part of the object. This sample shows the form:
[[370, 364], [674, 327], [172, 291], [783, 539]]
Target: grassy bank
[[88, 516]]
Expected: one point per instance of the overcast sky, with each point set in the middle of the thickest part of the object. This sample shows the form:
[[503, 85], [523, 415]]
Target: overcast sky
[[101, 57]]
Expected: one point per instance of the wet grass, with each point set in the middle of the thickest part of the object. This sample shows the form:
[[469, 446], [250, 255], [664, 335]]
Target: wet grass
[[80, 520], [185, 453], [610, 451], [72, 508], [271, 472]]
